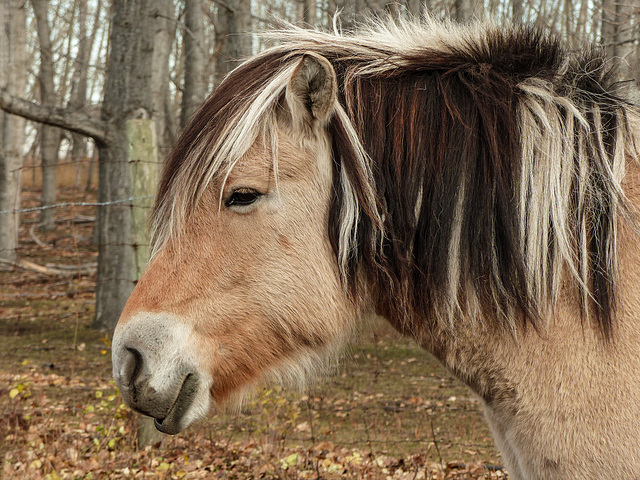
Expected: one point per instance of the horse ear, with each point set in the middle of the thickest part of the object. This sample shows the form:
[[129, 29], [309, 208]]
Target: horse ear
[[311, 92]]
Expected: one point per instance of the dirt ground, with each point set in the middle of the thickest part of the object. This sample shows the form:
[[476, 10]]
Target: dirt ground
[[387, 411]]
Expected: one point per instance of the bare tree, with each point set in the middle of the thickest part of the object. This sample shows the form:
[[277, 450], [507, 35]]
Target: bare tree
[[12, 78], [79, 79], [195, 87], [49, 136], [618, 35], [307, 12], [127, 95], [234, 25], [465, 10], [414, 7], [164, 37], [517, 10]]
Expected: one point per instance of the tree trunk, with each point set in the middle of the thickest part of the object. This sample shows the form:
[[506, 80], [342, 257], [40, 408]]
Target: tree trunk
[[234, 17], [582, 21], [617, 35], [414, 7], [89, 185], [79, 79], [310, 15], [50, 136], [127, 95], [194, 60], [608, 26], [163, 40], [79, 85], [12, 77], [360, 11], [624, 41], [307, 12], [478, 9], [466, 10], [170, 122], [517, 11]]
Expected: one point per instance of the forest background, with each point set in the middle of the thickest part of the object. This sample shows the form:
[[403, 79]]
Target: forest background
[[85, 83]]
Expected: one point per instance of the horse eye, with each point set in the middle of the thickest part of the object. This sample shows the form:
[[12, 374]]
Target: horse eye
[[242, 197]]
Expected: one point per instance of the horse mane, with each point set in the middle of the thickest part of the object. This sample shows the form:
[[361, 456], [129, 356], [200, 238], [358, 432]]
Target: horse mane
[[474, 167]]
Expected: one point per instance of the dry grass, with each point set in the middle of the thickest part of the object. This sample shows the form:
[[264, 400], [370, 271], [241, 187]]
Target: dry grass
[[68, 173]]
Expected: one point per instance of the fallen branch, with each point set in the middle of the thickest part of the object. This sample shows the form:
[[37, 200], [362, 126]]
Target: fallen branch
[[35, 296], [90, 267], [52, 270], [35, 238], [77, 219]]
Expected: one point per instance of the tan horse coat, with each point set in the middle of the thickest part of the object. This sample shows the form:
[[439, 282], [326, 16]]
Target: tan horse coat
[[246, 284]]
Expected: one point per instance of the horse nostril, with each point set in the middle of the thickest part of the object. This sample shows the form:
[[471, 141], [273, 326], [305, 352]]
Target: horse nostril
[[133, 366]]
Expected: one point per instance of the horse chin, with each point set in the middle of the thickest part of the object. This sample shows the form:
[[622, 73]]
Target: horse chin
[[177, 418], [173, 411]]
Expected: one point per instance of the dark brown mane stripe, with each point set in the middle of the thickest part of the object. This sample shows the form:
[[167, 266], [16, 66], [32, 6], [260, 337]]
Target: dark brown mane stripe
[[462, 133]]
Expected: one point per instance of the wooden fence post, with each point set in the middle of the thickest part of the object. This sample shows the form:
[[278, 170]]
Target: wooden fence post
[[142, 155]]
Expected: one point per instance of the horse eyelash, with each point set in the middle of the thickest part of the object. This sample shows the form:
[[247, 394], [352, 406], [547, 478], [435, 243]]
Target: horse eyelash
[[242, 197]]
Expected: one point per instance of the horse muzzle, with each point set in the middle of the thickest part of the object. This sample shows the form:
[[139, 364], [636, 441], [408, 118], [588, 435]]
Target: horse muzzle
[[157, 374]]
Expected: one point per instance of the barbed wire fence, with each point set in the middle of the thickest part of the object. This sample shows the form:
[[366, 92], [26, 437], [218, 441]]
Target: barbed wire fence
[[77, 204], [74, 220]]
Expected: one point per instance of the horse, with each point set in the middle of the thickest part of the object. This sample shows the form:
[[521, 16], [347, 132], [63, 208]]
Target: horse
[[475, 185]]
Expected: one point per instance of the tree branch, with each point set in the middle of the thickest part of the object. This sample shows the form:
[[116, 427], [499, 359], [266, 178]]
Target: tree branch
[[74, 121]]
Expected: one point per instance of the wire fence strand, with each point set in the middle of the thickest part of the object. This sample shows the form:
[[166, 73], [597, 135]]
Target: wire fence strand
[[76, 204]]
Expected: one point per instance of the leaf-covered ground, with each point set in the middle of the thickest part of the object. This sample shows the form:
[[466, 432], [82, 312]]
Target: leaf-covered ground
[[389, 410]]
